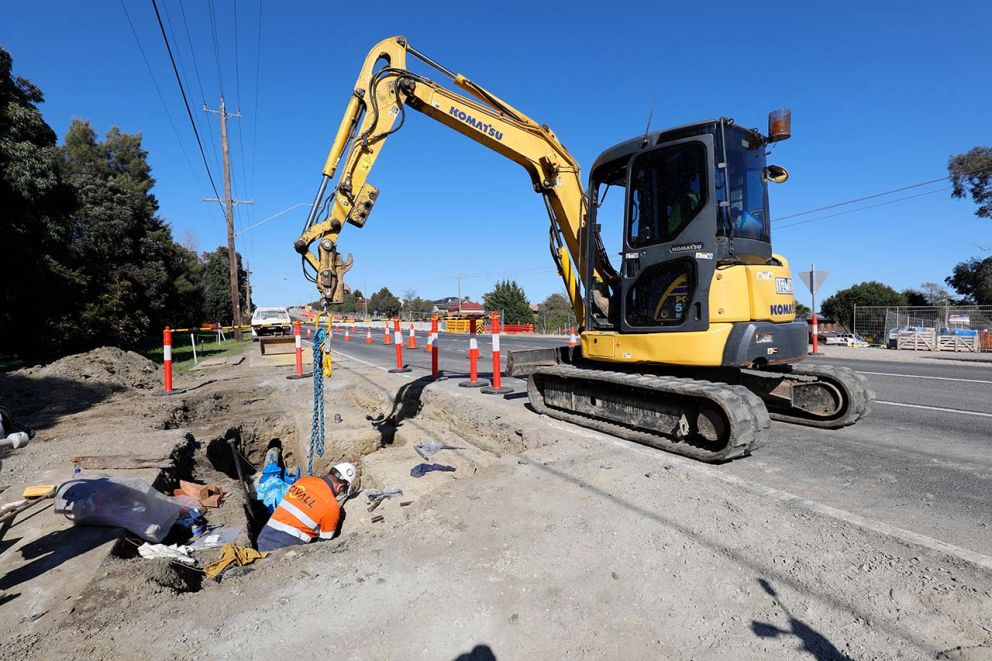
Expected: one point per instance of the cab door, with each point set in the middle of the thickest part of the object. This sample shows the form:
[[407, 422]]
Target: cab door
[[669, 237]]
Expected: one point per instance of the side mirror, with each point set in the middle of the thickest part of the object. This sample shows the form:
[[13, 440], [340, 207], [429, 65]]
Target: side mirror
[[775, 174]]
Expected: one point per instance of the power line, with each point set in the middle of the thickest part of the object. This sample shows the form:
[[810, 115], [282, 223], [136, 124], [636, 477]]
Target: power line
[[213, 29], [192, 52], [161, 98], [258, 62], [189, 113], [870, 206], [861, 199]]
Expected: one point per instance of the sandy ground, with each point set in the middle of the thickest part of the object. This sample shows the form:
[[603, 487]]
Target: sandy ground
[[547, 541]]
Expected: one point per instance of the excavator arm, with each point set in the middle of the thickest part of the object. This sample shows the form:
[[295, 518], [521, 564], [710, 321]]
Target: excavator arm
[[377, 109]]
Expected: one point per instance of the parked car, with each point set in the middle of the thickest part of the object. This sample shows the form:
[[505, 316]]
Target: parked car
[[843, 339], [270, 321]]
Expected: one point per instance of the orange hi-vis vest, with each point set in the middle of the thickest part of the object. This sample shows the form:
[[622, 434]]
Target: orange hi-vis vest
[[308, 510]]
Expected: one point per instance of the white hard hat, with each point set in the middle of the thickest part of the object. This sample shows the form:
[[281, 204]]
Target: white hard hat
[[345, 471]]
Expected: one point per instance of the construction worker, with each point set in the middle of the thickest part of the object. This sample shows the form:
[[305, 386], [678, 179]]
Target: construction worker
[[309, 510]]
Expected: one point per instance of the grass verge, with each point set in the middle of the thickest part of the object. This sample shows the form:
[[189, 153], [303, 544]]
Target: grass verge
[[206, 347]]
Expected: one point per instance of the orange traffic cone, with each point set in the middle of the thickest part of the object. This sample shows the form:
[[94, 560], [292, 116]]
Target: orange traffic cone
[[572, 341], [413, 339], [368, 336]]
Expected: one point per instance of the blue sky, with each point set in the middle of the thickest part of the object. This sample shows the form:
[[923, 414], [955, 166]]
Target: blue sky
[[881, 94]]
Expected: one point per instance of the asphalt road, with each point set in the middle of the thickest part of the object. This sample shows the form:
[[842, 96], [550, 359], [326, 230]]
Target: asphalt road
[[921, 461]]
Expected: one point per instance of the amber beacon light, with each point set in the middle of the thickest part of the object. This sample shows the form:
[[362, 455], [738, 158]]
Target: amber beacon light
[[779, 125]]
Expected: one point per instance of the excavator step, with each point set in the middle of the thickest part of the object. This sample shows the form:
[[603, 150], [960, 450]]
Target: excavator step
[[711, 422]]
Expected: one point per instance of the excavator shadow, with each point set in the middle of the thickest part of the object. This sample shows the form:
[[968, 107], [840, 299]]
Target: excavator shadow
[[407, 404]]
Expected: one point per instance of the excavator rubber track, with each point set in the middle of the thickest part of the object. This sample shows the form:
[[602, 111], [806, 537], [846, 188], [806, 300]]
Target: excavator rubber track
[[856, 397], [707, 421]]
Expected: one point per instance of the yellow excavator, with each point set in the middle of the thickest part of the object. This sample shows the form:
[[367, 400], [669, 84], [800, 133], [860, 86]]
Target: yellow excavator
[[692, 344]]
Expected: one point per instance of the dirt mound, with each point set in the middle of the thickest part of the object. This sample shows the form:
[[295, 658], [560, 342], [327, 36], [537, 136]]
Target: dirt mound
[[105, 367]]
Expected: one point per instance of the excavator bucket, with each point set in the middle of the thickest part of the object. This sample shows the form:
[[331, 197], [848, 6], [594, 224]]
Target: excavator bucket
[[278, 344]]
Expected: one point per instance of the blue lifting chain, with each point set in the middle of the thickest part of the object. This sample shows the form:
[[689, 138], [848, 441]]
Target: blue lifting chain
[[317, 425]]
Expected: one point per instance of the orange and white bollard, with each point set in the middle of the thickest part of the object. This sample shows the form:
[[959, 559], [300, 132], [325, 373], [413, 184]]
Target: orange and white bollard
[[167, 364], [572, 340], [298, 336], [497, 387], [387, 337], [413, 338], [368, 336], [816, 333], [473, 360], [432, 343], [398, 342]]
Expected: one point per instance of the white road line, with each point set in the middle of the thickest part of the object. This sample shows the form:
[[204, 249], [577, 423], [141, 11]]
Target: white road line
[[921, 376], [363, 362], [935, 408]]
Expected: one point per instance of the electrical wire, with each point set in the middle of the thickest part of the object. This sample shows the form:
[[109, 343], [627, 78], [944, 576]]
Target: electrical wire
[[182, 90], [861, 199], [213, 29], [161, 98], [258, 62], [870, 206]]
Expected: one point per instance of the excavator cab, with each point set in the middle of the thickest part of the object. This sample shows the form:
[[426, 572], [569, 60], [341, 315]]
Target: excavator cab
[[696, 201]]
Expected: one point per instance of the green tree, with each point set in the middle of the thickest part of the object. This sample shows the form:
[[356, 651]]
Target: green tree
[[125, 252], [508, 298], [973, 280], [555, 312], [971, 174], [802, 310], [217, 286], [840, 306], [418, 308], [39, 289], [915, 297], [384, 303]]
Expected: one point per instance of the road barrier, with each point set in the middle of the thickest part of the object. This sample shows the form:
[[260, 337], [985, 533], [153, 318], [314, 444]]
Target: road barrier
[[298, 339], [432, 343], [816, 335], [398, 341], [473, 360], [413, 339], [514, 329], [496, 388]]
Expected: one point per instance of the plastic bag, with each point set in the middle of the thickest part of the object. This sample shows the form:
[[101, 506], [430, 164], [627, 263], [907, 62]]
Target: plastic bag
[[123, 502]]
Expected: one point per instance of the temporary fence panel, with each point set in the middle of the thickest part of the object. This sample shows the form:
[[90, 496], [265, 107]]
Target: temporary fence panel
[[938, 327]]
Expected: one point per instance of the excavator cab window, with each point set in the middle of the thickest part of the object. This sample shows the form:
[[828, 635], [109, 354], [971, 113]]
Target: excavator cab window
[[745, 213], [668, 189]]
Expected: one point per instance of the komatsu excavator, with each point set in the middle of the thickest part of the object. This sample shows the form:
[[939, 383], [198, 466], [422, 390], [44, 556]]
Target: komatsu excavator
[[691, 345]]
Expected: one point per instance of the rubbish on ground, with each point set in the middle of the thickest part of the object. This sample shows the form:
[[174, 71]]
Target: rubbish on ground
[[216, 537], [376, 497], [209, 495], [405, 503], [378, 518], [337, 417], [422, 469], [40, 491], [120, 461], [233, 555], [122, 502], [171, 552], [428, 449]]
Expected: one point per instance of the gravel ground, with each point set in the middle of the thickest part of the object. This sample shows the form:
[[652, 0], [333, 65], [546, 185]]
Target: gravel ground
[[547, 541]]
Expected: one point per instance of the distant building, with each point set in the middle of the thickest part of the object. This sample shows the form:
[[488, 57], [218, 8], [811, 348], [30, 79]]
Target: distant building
[[466, 309]]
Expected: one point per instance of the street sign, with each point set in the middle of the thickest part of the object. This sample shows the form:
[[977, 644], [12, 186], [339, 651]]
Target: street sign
[[813, 279]]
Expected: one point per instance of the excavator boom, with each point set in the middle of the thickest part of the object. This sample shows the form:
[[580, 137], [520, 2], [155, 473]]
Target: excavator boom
[[385, 89]]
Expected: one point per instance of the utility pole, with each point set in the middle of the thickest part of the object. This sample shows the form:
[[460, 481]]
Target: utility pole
[[459, 278], [232, 256], [248, 286]]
